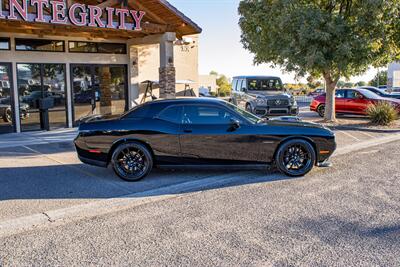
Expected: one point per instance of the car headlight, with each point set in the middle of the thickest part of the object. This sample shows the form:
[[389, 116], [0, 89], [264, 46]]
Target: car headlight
[[261, 101]]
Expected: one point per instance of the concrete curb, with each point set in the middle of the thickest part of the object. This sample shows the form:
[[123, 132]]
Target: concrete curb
[[96, 208]]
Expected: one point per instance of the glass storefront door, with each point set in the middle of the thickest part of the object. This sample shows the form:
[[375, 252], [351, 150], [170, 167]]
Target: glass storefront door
[[6, 99], [38, 81], [99, 89]]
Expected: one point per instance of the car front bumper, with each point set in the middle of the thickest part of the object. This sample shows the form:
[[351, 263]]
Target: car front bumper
[[276, 111]]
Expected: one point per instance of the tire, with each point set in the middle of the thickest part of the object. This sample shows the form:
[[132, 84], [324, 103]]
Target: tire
[[7, 117], [321, 110], [132, 161], [248, 108], [295, 158]]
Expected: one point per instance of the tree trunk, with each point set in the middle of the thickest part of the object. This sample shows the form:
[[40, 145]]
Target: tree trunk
[[330, 109]]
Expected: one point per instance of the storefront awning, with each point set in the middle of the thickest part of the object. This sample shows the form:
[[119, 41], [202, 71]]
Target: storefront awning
[[159, 17]]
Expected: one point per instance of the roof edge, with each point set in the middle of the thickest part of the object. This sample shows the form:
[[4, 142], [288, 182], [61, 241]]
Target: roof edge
[[182, 16]]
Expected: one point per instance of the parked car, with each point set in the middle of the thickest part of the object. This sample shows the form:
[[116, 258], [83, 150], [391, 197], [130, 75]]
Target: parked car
[[317, 92], [352, 101], [6, 111], [381, 92], [200, 132], [263, 96]]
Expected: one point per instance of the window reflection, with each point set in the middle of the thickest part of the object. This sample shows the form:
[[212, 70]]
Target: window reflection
[[38, 81], [6, 105]]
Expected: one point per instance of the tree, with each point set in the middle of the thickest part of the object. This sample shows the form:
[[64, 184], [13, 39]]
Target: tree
[[324, 38], [379, 79], [313, 83], [361, 83], [224, 86]]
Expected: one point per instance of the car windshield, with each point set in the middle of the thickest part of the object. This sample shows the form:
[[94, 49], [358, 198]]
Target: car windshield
[[264, 85], [250, 117]]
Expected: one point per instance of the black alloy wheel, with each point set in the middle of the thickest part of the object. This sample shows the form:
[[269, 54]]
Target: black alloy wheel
[[132, 161], [321, 110], [295, 157]]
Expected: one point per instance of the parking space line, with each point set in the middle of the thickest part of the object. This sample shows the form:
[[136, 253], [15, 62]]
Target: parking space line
[[350, 135], [367, 134]]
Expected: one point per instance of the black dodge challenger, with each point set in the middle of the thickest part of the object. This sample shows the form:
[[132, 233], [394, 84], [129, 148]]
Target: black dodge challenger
[[201, 132]]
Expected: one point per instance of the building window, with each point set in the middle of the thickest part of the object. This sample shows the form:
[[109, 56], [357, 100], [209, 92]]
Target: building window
[[39, 45], [4, 43], [91, 47]]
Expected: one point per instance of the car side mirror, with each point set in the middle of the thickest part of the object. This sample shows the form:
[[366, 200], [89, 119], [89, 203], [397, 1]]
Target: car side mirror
[[244, 89], [235, 124]]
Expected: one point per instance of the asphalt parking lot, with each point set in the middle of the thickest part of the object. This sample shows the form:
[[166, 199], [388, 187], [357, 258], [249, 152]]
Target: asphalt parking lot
[[346, 215]]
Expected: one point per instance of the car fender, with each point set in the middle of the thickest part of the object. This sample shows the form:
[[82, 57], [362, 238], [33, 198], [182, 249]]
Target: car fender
[[123, 140], [306, 138]]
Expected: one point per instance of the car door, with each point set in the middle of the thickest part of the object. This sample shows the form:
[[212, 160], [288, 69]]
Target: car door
[[208, 137], [356, 103], [340, 101], [164, 137]]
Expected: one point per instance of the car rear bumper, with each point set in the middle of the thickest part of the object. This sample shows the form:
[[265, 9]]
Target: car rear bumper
[[93, 162]]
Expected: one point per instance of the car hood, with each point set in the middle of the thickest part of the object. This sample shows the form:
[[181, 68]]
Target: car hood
[[293, 122]]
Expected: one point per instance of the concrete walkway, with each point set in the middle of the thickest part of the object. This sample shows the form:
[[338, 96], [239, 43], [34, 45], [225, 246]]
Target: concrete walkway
[[37, 138]]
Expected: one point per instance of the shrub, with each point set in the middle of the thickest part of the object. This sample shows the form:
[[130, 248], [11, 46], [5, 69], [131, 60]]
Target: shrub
[[383, 113]]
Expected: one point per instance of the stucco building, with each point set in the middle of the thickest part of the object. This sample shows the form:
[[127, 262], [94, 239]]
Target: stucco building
[[89, 57]]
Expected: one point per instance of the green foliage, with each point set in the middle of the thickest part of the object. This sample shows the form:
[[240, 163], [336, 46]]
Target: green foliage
[[337, 38], [382, 113], [313, 83], [379, 79], [224, 86], [361, 83]]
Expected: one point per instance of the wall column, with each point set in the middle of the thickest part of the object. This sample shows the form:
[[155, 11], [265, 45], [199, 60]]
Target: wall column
[[167, 75], [133, 75], [15, 92]]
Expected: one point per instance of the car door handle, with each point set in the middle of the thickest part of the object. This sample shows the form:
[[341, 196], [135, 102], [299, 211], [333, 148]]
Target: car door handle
[[187, 131]]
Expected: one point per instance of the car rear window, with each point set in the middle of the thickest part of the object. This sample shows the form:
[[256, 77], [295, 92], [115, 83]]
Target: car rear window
[[148, 110]]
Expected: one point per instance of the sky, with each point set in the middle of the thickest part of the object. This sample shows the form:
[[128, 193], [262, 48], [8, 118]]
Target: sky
[[220, 47]]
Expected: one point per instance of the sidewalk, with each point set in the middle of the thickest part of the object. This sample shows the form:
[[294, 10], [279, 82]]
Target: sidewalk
[[37, 138]]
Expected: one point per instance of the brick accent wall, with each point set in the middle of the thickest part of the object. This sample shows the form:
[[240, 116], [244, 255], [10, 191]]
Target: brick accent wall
[[167, 82]]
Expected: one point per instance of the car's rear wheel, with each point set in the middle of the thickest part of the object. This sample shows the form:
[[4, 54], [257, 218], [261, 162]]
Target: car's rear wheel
[[132, 161], [295, 157], [321, 110]]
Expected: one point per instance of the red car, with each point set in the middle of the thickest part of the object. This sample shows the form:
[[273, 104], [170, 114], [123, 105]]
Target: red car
[[352, 101]]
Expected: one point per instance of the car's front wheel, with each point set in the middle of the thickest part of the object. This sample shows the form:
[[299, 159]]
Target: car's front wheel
[[295, 157], [132, 161]]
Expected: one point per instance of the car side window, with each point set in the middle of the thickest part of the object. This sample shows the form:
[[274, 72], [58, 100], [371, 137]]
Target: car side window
[[351, 94], [234, 84], [206, 115], [340, 94], [171, 114]]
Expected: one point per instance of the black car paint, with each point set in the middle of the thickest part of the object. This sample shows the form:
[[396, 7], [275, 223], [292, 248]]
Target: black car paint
[[179, 144]]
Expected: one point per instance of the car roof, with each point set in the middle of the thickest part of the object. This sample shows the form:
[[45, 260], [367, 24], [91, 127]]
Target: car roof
[[256, 77], [189, 100]]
